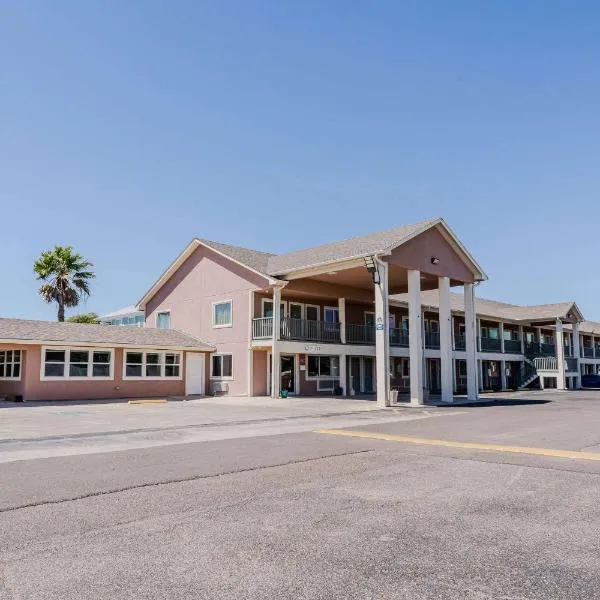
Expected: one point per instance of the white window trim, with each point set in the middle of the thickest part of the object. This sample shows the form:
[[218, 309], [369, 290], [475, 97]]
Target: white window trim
[[337, 311], [214, 304], [67, 351], [21, 353], [302, 309], [322, 377], [313, 306], [143, 365], [161, 312], [262, 307], [217, 377]]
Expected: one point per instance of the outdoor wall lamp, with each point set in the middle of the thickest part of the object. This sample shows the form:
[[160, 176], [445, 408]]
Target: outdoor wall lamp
[[372, 268], [435, 260]]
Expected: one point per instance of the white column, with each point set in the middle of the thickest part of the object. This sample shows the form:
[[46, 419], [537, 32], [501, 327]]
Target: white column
[[577, 353], [343, 376], [445, 318], [501, 328], [415, 337], [560, 355], [503, 375], [276, 370], [471, 343], [342, 316], [382, 336]]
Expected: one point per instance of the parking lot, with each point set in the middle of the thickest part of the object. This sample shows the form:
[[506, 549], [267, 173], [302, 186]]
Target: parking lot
[[308, 499]]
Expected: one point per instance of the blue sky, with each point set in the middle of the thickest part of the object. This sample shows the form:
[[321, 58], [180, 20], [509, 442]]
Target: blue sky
[[128, 128]]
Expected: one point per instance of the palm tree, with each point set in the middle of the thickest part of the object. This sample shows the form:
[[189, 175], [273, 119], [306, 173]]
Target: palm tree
[[66, 277]]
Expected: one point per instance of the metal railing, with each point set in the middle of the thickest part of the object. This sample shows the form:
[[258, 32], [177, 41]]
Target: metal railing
[[309, 331], [460, 342], [572, 366], [360, 334], [512, 346], [490, 344], [432, 339], [548, 349], [398, 337], [568, 351], [262, 328], [588, 352], [546, 363]]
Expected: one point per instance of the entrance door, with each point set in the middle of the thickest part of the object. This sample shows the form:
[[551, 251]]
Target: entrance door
[[368, 363], [355, 373], [288, 373], [194, 373]]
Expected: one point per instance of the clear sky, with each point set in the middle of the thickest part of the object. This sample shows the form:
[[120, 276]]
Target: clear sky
[[129, 127]]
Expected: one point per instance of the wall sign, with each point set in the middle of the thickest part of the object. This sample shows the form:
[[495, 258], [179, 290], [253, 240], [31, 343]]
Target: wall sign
[[312, 348]]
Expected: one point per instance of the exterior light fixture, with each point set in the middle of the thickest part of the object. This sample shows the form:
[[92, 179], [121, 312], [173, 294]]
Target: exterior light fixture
[[435, 260], [371, 266]]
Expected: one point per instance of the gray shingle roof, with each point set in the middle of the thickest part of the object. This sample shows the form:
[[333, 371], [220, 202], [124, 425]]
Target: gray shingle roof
[[363, 245], [256, 260], [78, 333], [589, 327], [493, 308]]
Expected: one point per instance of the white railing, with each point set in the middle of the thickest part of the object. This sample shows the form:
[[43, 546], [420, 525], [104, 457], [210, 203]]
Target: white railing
[[546, 363]]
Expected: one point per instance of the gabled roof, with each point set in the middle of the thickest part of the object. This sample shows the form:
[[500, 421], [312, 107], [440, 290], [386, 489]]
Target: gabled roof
[[253, 259], [52, 332], [500, 310]]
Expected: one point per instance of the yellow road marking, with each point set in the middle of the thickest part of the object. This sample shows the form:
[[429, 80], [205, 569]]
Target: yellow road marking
[[465, 445], [148, 401]]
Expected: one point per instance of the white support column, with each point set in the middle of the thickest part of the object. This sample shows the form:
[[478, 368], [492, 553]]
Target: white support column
[[382, 335], [343, 376], [342, 317], [471, 342], [501, 328], [576, 353], [415, 337], [560, 355], [445, 318], [276, 370], [503, 374]]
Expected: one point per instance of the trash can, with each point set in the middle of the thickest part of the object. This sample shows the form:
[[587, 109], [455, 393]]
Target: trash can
[[283, 394], [393, 396]]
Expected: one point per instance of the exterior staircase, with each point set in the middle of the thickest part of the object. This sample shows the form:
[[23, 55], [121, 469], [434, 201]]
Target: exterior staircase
[[537, 358], [528, 373]]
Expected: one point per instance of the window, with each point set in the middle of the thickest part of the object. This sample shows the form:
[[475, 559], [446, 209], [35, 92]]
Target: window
[[222, 314], [221, 366], [76, 363], [267, 308], [152, 364], [323, 366], [296, 310], [331, 314], [163, 320], [10, 364], [312, 312]]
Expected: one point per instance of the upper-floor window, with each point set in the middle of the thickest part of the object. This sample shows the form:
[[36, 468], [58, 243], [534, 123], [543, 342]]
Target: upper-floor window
[[163, 320], [10, 364], [222, 314], [151, 364], [77, 363]]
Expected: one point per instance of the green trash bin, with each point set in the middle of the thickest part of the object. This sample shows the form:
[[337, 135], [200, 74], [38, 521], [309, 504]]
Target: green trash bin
[[283, 394]]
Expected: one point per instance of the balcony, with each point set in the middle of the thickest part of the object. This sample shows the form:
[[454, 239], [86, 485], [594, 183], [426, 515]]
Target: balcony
[[512, 346], [460, 342], [568, 351], [548, 349], [360, 334], [262, 328], [490, 344], [572, 365], [297, 329], [588, 352]]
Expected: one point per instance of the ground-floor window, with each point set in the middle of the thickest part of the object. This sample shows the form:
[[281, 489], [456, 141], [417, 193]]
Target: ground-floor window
[[323, 366], [221, 366], [77, 363], [10, 364], [148, 364]]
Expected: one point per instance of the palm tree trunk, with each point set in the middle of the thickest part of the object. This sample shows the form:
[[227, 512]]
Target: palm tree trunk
[[61, 312]]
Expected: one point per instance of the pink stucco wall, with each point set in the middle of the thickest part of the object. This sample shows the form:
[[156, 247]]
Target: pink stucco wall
[[260, 373], [206, 277], [33, 388], [417, 254]]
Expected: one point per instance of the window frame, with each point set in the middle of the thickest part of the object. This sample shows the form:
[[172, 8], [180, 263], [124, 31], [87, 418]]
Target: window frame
[[67, 362], [319, 376], [213, 313], [162, 363], [318, 307], [164, 311], [12, 363], [221, 377]]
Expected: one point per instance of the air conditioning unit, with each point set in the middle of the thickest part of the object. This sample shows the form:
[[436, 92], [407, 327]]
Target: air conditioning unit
[[219, 388]]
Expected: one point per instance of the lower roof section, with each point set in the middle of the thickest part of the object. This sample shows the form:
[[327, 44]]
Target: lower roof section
[[51, 332]]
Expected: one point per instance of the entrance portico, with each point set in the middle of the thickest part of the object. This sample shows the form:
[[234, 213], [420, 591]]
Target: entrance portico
[[335, 310]]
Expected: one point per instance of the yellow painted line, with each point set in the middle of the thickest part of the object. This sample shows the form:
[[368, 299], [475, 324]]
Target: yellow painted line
[[465, 445], [148, 401]]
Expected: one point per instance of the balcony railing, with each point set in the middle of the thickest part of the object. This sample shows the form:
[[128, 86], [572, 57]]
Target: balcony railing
[[568, 351], [572, 365], [310, 331], [432, 339], [512, 346], [548, 349], [262, 328], [490, 344], [460, 342], [398, 337], [588, 352], [360, 334]]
